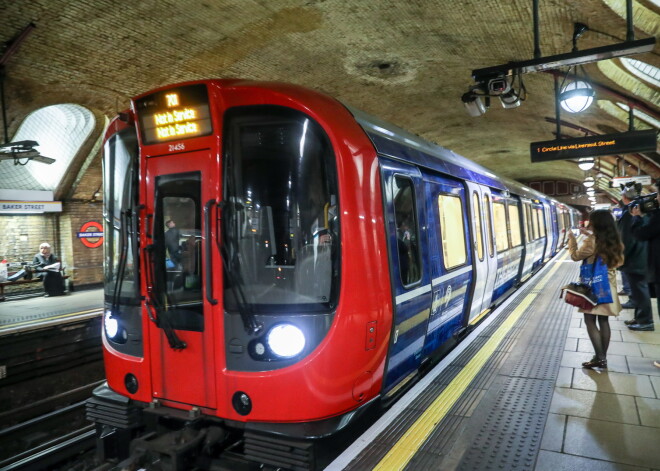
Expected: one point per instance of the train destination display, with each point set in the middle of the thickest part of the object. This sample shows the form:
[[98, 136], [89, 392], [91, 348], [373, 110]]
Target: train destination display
[[174, 114], [594, 146]]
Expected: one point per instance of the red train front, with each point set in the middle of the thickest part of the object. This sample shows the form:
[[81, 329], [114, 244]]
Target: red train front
[[237, 215]]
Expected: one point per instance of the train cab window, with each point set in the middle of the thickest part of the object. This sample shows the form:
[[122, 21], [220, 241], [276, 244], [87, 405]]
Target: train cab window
[[514, 223], [478, 236], [452, 230], [501, 238], [407, 233], [489, 228], [280, 225]]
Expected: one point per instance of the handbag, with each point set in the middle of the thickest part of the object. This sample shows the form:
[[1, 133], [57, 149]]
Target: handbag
[[579, 295], [593, 288]]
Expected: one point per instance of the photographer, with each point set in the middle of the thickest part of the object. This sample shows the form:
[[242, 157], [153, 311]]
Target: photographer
[[635, 265], [647, 228]]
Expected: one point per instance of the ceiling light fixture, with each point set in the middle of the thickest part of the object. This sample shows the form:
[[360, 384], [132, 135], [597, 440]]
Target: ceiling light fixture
[[589, 182], [576, 95], [586, 163]]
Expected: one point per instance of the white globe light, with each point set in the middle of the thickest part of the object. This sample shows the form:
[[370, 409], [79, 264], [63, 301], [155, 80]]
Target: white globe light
[[586, 163], [286, 340], [589, 182], [577, 96], [591, 191]]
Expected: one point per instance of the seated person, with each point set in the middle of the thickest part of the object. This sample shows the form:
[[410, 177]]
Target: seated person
[[52, 278]]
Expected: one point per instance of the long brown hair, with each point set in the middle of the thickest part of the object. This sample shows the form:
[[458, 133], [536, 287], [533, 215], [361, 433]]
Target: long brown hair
[[608, 241]]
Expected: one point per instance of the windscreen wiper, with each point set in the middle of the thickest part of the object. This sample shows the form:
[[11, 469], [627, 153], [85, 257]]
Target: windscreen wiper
[[121, 267], [231, 269], [155, 309]]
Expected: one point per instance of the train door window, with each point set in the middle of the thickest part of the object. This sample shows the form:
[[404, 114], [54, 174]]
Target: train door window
[[452, 230], [501, 238], [514, 224], [177, 233], [540, 221], [528, 223], [479, 238], [489, 228], [535, 223], [405, 217]]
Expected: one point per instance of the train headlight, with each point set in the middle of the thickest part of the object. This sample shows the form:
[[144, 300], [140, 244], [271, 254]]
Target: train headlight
[[286, 340], [113, 330]]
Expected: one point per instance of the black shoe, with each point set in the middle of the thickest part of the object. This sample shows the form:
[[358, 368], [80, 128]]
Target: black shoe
[[623, 293], [595, 363], [644, 327], [628, 305], [630, 321]]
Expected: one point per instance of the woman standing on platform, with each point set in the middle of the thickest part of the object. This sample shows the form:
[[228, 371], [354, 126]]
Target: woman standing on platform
[[602, 240]]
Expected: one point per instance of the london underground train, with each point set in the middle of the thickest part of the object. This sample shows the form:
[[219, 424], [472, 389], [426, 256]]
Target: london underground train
[[277, 263]]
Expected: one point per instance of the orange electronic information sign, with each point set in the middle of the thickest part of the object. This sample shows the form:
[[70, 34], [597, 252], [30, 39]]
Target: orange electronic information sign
[[174, 114], [594, 146]]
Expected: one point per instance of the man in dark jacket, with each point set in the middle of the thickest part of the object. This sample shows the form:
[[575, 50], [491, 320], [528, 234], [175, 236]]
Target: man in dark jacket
[[44, 264], [648, 229], [635, 267], [172, 237]]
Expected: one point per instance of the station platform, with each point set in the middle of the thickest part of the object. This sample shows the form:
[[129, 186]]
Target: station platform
[[21, 315], [513, 396]]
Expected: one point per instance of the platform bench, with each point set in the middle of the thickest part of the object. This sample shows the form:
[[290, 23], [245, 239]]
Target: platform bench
[[20, 282]]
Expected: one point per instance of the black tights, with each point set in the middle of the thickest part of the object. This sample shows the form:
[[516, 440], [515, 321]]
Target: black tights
[[600, 338]]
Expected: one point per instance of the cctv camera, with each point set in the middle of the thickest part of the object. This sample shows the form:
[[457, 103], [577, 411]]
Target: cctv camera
[[474, 104], [498, 86], [511, 99]]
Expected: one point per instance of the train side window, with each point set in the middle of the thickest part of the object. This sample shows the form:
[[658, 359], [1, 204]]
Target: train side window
[[514, 223], [452, 230], [489, 228], [478, 237], [501, 238], [407, 231]]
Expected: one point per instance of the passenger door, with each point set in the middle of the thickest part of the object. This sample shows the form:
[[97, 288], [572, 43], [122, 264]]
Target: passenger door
[[181, 331], [411, 285], [484, 260]]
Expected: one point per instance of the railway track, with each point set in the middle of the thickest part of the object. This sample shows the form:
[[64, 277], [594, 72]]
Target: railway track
[[48, 442], [48, 373]]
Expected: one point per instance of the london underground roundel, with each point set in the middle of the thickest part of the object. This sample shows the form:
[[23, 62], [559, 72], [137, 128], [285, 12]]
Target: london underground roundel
[[91, 234]]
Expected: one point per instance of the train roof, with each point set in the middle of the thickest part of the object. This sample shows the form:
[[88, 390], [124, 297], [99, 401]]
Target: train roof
[[385, 136]]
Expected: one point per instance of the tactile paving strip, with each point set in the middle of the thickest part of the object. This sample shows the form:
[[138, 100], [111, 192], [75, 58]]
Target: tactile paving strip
[[508, 401]]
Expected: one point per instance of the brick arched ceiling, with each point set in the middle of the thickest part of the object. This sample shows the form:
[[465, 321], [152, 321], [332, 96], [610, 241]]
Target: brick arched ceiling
[[406, 62]]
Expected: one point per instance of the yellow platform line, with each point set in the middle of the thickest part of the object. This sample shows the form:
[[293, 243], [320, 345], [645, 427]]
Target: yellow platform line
[[45, 319], [403, 451]]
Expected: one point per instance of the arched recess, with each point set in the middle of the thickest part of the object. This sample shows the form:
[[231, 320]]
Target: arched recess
[[60, 130]]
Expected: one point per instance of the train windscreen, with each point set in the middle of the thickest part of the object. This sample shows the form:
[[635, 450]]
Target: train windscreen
[[280, 213], [122, 300]]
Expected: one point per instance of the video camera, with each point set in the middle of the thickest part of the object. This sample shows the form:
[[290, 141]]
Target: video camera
[[646, 203]]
